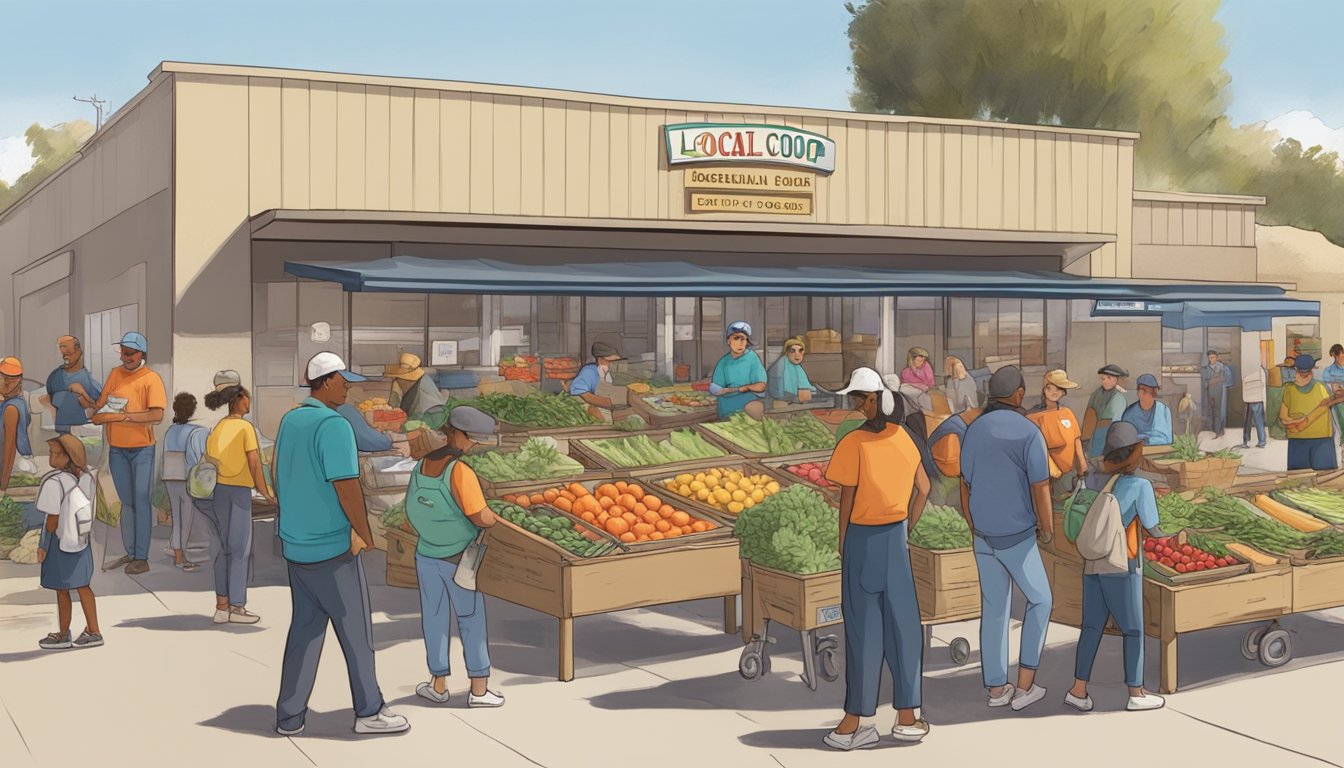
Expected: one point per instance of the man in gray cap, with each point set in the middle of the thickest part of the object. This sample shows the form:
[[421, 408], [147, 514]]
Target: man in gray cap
[[1106, 405], [1005, 497], [594, 374]]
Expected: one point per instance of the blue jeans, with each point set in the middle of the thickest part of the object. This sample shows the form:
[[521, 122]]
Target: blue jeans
[[230, 516], [438, 594], [133, 477], [1000, 569], [330, 592], [1316, 453], [1255, 412], [1119, 595], [877, 599], [1338, 412]]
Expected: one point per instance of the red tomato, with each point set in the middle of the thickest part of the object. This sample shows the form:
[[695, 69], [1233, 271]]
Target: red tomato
[[1150, 555], [1187, 550], [1200, 567], [1180, 568], [1148, 545], [1167, 562]]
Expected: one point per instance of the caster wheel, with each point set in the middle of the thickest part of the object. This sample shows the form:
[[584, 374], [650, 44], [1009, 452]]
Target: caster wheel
[[960, 651], [827, 667], [828, 643], [750, 666], [1275, 648], [1250, 643]]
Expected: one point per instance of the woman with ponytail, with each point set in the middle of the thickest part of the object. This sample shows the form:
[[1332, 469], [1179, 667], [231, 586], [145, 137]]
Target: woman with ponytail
[[883, 489], [235, 451]]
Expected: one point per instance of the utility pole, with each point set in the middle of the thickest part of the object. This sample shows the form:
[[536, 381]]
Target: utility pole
[[97, 105]]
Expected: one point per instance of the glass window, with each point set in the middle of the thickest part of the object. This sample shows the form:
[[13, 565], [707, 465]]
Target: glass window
[[919, 321], [274, 335], [385, 325], [986, 330], [550, 326], [638, 328], [457, 318], [1057, 332], [685, 341], [712, 344], [1010, 328], [960, 330], [1033, 332]]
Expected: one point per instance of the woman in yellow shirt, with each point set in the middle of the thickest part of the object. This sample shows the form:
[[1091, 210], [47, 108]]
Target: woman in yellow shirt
[[233, 448], [883, 489]]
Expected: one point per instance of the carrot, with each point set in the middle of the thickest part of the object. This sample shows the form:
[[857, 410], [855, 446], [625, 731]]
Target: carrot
[[1250, 555], [1291, 517]]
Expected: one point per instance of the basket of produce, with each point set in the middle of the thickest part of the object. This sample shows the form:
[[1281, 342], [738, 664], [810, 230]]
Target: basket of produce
[[624, 510], [677, 408], [538, 460], [526, 413], [809, 469], [1244, 522], [1320, 503], [524, 368], [575, 538], [782, 435], [1190, 558], [727, 489], [678, 446], [23, 486], [795, 531], [1188, 468], [947, 582]]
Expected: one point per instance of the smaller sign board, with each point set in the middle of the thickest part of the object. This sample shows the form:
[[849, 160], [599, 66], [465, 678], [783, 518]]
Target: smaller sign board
[[746, 202], [765, 179]]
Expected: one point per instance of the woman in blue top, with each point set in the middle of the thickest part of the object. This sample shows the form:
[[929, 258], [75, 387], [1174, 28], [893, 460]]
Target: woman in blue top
[[14, 418], [1119, 595], [739, 377], [787, 379]]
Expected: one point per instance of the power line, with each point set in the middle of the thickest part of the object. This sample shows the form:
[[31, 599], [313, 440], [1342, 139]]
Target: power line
[[98, 105]]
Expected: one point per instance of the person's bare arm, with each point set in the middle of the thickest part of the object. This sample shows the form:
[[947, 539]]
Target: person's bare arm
[[259, 476], [11, 446], [1089, 423], [966, 504], [352, 504], [846, 509], [483, 519], [50, 525], [597, 401], [1045, 513], [921, 497], [151, 416], [757, 387], [1080, 458]]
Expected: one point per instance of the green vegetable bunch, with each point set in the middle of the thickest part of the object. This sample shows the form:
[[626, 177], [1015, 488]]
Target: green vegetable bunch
[[11, 520], [941, 528], [24, 480], [1327, 505], [552, 527], [394, 515], [534, 410], [1186, 448], [536, 460], [1327, 543], [631, 423], [794, 530], [803, 432], [640, 451]]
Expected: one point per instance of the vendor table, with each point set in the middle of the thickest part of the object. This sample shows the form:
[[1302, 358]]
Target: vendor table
[[532, 572]]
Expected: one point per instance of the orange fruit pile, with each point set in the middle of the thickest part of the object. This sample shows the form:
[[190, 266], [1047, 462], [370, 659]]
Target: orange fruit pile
[[624, 510]]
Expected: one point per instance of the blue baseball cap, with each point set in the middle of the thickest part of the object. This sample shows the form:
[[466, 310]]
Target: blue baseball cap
[[134, 340], [1149, 380], [742, 327], [1304, 363]]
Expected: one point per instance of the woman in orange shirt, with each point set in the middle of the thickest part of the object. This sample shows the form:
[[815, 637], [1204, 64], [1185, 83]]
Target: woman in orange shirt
[[1061, 428], [883, 489]]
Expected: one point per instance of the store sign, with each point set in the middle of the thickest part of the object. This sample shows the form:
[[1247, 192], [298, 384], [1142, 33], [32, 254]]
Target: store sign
[[745, 202], [1122, 306], [697, 143], [749, 178]]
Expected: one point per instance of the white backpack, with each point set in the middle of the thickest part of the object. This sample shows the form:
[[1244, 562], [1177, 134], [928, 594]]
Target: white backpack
[[1101, 541]]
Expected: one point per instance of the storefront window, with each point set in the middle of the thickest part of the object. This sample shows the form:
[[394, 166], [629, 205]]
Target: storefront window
[[515, 325], [711, 333], [385, 325], [684, 339], [960, 330], [919, 323], [1056, 333], [274, 333], [457, 319]]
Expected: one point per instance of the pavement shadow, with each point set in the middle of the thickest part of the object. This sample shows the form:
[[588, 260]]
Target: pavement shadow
[[259, 720], [809, 739], [188, 622], [6, 658]]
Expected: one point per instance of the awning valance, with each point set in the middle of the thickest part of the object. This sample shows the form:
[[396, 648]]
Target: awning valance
[[667, 278], [1250, 314]]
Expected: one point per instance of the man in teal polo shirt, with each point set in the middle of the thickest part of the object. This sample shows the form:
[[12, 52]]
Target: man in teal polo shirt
[[324, 526], [739, 377]]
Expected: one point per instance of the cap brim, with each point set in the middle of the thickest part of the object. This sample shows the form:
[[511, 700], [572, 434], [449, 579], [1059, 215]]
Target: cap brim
[[353, 378], [612, 358], [129, 346]]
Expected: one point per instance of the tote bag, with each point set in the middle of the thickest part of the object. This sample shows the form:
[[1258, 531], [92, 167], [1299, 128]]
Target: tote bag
[[470, 563]]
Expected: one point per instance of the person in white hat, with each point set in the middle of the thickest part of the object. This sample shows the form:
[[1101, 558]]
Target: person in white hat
[[883, 490], [323, 527], [739, 378]]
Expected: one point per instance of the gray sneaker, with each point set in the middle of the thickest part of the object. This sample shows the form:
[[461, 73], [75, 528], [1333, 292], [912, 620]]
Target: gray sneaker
[[239, 615], [88, 640], [55, 641]]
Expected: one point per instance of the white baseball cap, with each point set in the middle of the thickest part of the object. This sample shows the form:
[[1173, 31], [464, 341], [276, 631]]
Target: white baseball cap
[[326, 363]]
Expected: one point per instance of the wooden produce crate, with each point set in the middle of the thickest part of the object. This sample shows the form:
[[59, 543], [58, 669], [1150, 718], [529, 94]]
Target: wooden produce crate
[[801, 602], [1318, 585], [529, 571], [1159, 572], [732, 447], [512, 436], [656, 476], [659, 419], [585, 454], [401, 558], [947, 583], [1197, 475], [778, 466], [500, 490]]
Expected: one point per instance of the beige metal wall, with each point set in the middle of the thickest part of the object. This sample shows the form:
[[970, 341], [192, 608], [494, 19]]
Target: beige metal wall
[[366, 146], [1190, 240]]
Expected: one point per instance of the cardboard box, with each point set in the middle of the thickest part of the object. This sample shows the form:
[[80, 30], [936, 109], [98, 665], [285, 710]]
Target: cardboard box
[[824, 341], [826, 368]]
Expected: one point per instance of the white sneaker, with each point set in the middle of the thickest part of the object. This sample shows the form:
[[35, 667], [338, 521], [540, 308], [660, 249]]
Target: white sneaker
[[242, 616], [1082, 705], [426, 691], [221, 616], [1005, 698], [294, 732], [383, 722], [490, 699], [866, 736], [1025, 699], [1145, 702], [910, 733]]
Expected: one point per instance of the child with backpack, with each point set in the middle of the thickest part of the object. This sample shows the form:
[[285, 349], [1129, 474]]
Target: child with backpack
[[183, 447], [66, 498], [1110, 542]]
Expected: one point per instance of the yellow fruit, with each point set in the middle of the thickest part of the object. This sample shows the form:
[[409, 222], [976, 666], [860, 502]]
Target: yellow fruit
[[772, 488], [685, 479], [735, 507], [735, 476], [723, 496], [716, 472], [685, 490], [748, 504], [739, 495], [702, 494], [757, 496], [713, 482], [697, 485]]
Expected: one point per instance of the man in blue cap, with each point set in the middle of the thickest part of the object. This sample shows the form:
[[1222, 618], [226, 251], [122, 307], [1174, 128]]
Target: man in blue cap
[[1305, 415], [132, 402], [1150, 416], [739, 377]]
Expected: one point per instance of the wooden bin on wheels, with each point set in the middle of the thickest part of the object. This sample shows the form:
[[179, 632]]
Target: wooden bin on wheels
[[804, 603]]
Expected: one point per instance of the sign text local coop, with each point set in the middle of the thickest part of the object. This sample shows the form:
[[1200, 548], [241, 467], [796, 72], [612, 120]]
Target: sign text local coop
[[689, 143]]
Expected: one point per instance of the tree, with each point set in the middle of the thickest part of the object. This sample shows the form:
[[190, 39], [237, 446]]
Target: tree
[[51, 147]]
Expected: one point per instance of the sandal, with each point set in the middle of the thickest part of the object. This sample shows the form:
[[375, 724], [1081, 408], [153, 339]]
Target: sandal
[[186, 566]]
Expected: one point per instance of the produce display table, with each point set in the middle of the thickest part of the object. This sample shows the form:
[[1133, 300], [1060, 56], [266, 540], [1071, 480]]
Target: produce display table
[[530, 571]]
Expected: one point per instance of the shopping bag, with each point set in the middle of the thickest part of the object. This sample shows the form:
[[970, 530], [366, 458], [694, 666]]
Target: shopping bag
[[470, 562]]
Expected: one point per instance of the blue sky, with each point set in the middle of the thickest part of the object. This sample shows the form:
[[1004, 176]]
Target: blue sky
[[1283, 53]]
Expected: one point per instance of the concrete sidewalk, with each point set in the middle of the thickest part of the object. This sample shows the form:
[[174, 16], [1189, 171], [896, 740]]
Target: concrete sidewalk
[[658, 687]]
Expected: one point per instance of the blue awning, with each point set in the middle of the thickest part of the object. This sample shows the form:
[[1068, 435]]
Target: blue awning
[[666, 278], [1248, 314]]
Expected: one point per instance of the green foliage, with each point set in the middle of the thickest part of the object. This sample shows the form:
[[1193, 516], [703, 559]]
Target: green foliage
[[51, 147], [803, 432], [640, 451], [631, 423], [536, 460], [794, 530], [941, 528], [11, 520], [535, 410], [394, 515]]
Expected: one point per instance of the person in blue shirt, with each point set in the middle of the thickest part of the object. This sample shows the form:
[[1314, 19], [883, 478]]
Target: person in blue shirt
[[591, 376], [739, 377], [367, 439], [1333, 377], [1150, 416], [786, 379], [323, 526], [71, 389], [1119, 596], [14, 418]]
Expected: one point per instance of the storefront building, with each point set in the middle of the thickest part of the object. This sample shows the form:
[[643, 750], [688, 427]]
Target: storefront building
[[248, 218]]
